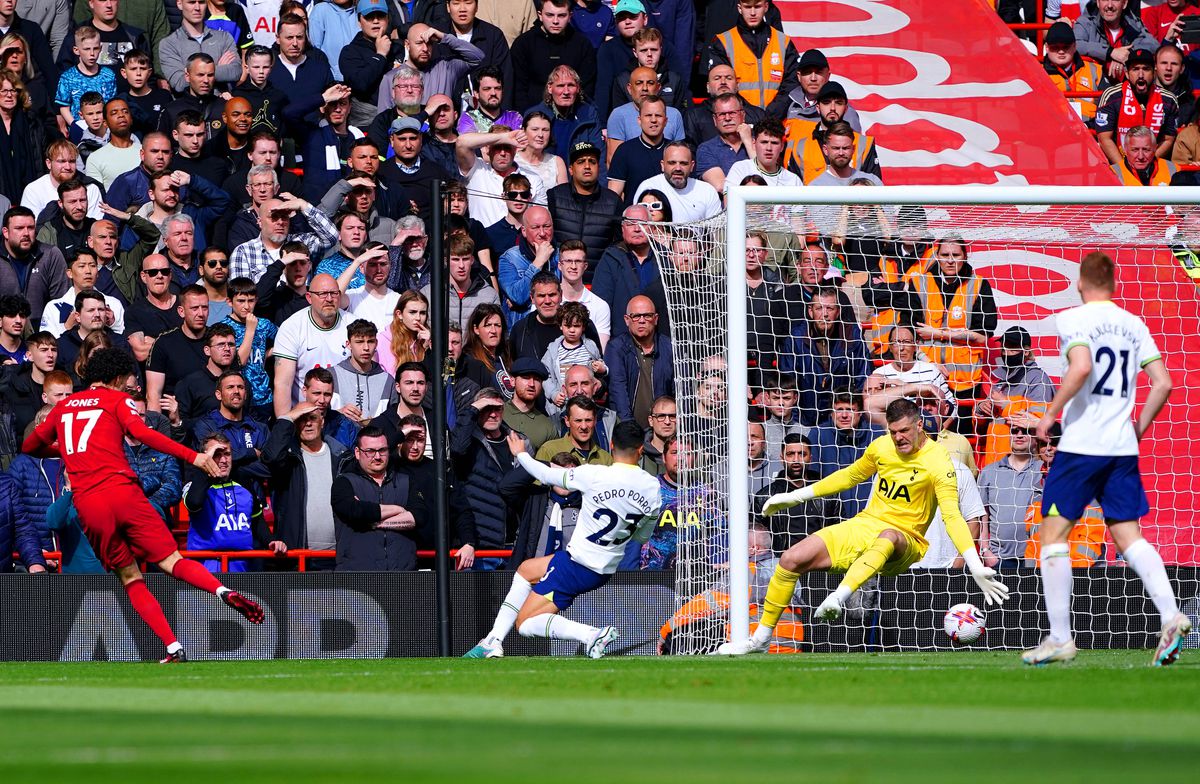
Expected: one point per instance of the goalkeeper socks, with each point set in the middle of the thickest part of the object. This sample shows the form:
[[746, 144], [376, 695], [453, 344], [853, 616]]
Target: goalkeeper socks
[[1148, 564], [558, 628], [779, 596], [150, 611], [196, 576], [868, 564], [507, 615], [1056, 586]]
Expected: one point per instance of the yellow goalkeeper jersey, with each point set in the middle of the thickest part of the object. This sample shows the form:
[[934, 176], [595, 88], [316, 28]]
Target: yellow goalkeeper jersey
[[910, 488]]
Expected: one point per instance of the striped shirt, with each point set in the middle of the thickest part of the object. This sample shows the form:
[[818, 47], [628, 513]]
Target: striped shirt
[[920, 373], [251, 258]]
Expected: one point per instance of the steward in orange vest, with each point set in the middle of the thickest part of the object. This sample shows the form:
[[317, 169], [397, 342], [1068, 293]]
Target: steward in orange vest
[[763, 58], [1070, 71], [1159, 172], [802, 150], [1019, 387]]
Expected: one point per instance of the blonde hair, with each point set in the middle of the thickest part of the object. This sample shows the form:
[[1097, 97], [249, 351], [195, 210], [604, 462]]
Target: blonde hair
[[12, 41], [406, 346]]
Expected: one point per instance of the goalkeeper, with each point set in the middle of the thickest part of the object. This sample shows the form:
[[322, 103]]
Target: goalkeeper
[[915, 477]]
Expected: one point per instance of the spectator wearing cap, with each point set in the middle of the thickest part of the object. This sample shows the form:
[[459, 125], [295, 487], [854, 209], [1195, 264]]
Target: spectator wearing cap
[[366, 58], [814, 74], [1108, 32], [408, 172], [805, 138], [485, 176], [763, 58], [1020, 393], [1069, 70], [699, 120], [717, 155], [1137, 101], [616, 54], [480, 457], [582, 208], [538, 52], [441, 59], [524, 413]]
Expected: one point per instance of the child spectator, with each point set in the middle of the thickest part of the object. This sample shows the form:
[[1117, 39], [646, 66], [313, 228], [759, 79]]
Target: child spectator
[[361, 386], [84, 77], [570, 349], [255, 338], [146, 99], [90, 132], [223, 514]]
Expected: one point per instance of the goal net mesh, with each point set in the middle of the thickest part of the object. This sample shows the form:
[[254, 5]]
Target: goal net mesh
[[880, 265]]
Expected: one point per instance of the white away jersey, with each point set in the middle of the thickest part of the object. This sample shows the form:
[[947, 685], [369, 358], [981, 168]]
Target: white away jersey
[[942, 552], [1098, 420], [620, 502], [301, 339]]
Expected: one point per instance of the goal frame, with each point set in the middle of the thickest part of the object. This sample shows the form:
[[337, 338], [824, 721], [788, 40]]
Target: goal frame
[[738, 407]]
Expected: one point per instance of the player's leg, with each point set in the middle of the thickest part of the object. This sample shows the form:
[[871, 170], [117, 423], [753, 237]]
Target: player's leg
[[808, 555], [1059, 644], [197, 576], [889, 545], [1145, 560], [556, 591], [528, 573], [150, 611]]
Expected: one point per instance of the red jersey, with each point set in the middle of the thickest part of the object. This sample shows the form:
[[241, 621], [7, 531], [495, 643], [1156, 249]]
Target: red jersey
[[90, 429]]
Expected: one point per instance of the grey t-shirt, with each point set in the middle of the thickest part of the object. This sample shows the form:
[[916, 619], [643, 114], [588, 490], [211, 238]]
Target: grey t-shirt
[[1007, 494], [318, 513]]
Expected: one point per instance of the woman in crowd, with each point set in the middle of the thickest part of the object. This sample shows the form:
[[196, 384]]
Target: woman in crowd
[[485, 358], [22, 141], [406, 339], [534, 156]]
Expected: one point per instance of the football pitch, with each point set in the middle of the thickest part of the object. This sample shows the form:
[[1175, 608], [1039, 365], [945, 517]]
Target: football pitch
[[962, 716]]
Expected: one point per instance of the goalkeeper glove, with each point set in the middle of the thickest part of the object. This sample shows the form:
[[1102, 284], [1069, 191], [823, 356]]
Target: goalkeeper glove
[[994, 591], [781, 501]]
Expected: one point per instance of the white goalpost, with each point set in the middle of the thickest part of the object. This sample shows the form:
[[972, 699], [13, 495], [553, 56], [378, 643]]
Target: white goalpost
[[1027, 243]]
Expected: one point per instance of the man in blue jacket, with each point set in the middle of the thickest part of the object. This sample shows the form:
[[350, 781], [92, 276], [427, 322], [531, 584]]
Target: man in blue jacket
[[826, 354], [640, 363], [17, 531]]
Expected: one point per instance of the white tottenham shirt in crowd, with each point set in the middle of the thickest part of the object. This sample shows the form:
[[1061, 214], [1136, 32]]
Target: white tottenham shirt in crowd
[[698, 200], [301, 339], [942, 552]]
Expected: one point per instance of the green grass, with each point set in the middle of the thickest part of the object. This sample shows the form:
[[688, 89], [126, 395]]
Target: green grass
[[814, 718]]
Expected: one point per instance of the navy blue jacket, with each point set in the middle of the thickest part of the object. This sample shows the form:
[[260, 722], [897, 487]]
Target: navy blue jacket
[[17, 531], [39, 482], [848, 368], [621, 356], [478, 468]]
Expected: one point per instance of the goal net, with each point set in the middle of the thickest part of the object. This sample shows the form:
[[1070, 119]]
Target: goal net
[[845, 298]]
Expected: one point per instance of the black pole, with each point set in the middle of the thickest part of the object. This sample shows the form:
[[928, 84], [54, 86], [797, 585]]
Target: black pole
[[439, 329]]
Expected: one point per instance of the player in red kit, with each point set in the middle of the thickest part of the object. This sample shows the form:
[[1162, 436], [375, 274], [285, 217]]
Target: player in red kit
[[88, 431]]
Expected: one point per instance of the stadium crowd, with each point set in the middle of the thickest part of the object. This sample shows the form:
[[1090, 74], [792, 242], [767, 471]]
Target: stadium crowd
[[246, 212]]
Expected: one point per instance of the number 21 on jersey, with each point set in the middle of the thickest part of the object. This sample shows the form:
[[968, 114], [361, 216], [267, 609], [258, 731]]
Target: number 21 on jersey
[[85, 422]]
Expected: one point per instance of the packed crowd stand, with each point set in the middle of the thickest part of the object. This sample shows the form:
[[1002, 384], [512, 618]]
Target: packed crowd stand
[[247, 214]]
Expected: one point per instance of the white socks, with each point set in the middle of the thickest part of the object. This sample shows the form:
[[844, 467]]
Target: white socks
[[1056, 586], [1145, 560], [558, 628], [222, 591], [507, 614]]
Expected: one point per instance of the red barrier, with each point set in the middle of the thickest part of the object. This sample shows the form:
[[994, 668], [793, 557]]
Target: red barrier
[[301, 556]]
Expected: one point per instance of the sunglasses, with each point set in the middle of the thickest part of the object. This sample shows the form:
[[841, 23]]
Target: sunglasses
[[522, 195], [161, 272], [653, 205], [217, 263]]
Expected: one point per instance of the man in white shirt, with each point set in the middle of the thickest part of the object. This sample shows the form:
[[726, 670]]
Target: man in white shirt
[[314, 337], [766, 157], [485, 176], [123, 151], [691, 200], [62, 161], [374, 302]]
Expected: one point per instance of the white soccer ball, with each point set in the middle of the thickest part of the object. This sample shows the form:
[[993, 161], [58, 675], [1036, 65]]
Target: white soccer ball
[[964, 623]]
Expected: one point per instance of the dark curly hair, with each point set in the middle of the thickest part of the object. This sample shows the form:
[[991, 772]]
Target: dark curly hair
[[108, 365]]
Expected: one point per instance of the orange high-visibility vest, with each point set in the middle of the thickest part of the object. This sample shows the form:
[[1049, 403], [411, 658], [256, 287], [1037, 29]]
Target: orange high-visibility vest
[[877, 330], [963, 363], [1163, 170], [998, 440], [759, 79], [1085, 79], [802, 153], [789, 632], [1086, 539]]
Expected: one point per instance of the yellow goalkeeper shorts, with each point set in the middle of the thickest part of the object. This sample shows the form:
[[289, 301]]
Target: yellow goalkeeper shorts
[[847, 541]]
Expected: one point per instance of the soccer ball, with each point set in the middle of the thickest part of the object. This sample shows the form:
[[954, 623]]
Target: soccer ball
[[964, 623]]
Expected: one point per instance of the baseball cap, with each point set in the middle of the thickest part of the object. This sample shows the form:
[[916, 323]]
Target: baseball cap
[[402, 124], [1016, 337], [831, 90], [1140, 57], [366, 7], [1060, 33], [628, 7], [528, 366], [813, 58], [580, 149]]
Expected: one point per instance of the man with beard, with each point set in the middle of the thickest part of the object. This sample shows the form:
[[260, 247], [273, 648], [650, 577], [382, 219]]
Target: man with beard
[[803, 153], [487, 99], [1108, 31], [814, 75], [441, 59], [27, 267], [67, 227], [797, 522], [407, 89], [121, 153], [691, 199], [1137, 101], [838, 149]]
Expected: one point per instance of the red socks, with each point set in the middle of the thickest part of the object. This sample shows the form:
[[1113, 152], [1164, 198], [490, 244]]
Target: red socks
[[150, 610], [195, 575]]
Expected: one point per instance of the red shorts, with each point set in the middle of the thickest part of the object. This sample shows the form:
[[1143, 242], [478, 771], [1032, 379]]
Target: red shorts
[[123, 527]]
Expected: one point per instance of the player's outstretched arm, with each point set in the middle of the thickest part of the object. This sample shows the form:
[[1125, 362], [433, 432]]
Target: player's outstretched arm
[[1079, 367], [1160, 389], [857, 472]]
